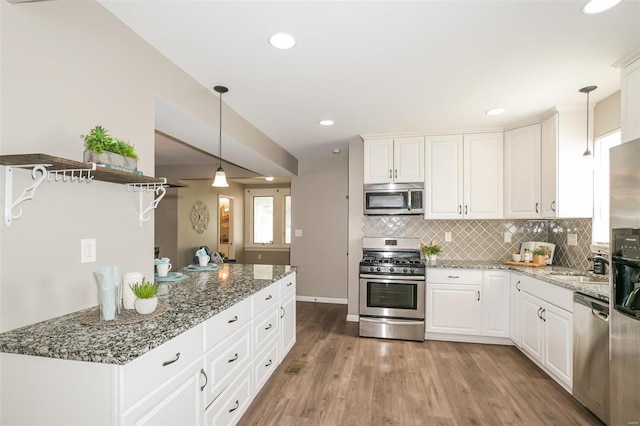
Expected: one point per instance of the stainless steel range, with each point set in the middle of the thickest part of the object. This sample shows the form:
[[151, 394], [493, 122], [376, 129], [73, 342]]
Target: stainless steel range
[[392, 289]]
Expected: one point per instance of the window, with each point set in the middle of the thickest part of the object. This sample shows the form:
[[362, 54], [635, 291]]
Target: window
[[601, 186], [268, 218]]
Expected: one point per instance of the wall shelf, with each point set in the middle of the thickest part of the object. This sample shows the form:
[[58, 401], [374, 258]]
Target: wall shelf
[[47, 167]]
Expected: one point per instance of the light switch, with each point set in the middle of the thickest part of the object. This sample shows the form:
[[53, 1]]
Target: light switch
[[447, 237], [572, 239], [298, 232]]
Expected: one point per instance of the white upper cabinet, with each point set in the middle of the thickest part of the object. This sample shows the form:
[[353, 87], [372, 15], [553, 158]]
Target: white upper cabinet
[[483, 176], [522, 173], [394, 160], [566, 175], [443, 177], [463, 176], [630, 102]]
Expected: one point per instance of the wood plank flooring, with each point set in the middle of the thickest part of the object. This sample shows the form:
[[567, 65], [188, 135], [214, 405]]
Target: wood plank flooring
[[348, 380]]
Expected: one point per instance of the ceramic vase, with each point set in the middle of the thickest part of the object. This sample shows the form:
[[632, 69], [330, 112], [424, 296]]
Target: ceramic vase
[[146, 306]]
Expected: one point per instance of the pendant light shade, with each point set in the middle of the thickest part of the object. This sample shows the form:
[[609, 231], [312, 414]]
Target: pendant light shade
[[220, 179], [587, 90]]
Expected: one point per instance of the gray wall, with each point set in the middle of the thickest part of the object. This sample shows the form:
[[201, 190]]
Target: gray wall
[[268, 257], [67, 66], [319, 208]]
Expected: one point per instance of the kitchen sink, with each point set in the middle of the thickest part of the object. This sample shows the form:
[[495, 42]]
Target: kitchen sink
[[584, 279]]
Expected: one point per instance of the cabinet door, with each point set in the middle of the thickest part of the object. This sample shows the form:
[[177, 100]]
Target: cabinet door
[[558, 343], [287, 323], [408, 159], [532, 326], [228, 409], [515, 310], [522, 172], [495, 304], [483, 176], [549, 167], [443, 177], [453, 308], [630, 102], [378, 161], [177, 402]]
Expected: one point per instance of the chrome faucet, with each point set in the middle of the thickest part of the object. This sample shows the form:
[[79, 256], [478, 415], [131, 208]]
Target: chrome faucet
[[600, 265]]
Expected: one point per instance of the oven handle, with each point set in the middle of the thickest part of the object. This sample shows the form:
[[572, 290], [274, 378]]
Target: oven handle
[[392, 277]]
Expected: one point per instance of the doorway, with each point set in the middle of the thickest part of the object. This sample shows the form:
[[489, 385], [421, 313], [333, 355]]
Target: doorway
[[225, 226]]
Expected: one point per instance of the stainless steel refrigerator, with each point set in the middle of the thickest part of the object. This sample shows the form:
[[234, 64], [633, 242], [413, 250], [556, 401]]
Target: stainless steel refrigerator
[[624, 363]]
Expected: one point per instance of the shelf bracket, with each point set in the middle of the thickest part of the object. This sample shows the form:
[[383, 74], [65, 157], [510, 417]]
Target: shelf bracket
[[27, 194], [158, 189]]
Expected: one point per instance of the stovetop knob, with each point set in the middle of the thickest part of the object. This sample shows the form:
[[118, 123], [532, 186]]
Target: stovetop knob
[[411, 270], [378, 269], [405, 270], [371, 268], [391, 269]]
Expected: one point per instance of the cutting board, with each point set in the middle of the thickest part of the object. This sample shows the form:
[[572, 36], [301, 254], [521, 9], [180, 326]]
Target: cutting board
[[510, 262]]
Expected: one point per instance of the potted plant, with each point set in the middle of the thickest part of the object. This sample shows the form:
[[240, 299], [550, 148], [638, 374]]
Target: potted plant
[[102, 148], [146, 300], [540, 255], [432, 251]]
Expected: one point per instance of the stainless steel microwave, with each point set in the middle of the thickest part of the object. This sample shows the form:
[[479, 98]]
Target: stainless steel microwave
[[394, 198]]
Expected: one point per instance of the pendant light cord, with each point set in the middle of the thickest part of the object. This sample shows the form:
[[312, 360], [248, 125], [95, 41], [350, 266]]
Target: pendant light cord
[[220, 134]]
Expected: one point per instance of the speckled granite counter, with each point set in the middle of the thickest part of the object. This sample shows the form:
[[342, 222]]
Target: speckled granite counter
[[191, 302], [552, 274]]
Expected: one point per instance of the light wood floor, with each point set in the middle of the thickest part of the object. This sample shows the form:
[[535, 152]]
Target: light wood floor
[[348, 380]]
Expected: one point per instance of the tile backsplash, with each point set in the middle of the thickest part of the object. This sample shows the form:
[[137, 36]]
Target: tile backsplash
[[484, 239]]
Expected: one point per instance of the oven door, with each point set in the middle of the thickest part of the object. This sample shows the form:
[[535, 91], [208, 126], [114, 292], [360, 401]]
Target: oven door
[[392, 297]]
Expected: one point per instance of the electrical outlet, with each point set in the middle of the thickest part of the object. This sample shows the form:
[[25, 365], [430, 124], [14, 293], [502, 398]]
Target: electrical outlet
[[507, 237], [447, 237], [88, 250], [298, 232], [572, 239], [259, 256]]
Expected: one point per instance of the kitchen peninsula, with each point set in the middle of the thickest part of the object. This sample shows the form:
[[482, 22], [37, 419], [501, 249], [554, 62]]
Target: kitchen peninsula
[[206, 357]]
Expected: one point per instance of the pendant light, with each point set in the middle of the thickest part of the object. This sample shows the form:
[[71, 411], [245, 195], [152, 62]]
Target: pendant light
[[221, 179], [587, 90]]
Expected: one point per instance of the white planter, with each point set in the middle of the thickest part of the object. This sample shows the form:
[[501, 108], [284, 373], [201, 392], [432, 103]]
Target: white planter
[[146, 306], [110, 158]]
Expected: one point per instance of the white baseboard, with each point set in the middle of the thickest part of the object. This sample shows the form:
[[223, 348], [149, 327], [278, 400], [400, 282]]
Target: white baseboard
[[468, 339], [353, 318], [321, 300]]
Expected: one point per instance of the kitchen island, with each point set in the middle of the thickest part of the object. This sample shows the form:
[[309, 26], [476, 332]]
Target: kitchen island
[[222, 336]]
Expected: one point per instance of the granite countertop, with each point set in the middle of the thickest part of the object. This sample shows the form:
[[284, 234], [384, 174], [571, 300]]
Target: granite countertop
[[191, 302], [557, 275]]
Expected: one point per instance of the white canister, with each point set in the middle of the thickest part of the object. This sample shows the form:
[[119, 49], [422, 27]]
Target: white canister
[[128, 297]]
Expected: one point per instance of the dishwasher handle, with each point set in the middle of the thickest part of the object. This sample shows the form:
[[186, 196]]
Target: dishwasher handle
[[600, 315]]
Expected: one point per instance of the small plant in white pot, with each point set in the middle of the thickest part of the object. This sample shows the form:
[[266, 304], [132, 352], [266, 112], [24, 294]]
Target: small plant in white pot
[[432, 251], [146, 300]]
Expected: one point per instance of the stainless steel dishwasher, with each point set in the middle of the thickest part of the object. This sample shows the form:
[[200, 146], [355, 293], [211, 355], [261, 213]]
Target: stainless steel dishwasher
[[591, 354]]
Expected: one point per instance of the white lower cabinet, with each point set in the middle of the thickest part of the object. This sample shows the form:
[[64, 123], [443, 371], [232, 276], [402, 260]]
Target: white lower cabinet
[[515, 309], [265, 363], [228, 409], [467, 302], [547, 330], [287, 316]]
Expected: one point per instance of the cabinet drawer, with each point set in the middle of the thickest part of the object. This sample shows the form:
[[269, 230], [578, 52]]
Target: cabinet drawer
[[266, 327], [287, 285], [555, 295], [265, 364], [454, 276], [265, 298], [233, 402], [146, 373], [223, 363], [218, 327]]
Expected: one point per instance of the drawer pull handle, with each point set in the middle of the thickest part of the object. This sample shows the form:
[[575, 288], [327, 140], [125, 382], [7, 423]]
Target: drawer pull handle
[[235, 407], [553, 206], [164, 364], [269, 297], [268, 327], [283, 312], [234, 358], [518, 285], [235, 318], [541, 316], [268, 363], [460, 209], [290, 284], [454, 276], [206, 380]]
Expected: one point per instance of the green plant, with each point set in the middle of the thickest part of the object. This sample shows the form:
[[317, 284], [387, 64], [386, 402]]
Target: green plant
[[540, 251], [144, 290], [98, 140], [431, 250], [222, 254]]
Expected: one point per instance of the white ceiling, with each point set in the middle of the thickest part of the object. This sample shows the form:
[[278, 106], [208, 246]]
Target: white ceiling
[[389, 66]]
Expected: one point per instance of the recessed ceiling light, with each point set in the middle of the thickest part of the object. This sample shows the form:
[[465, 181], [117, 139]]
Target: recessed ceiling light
[[282, 41], [598, 6], [336, 151], [495, 111], [326, 122], [269, 178]]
